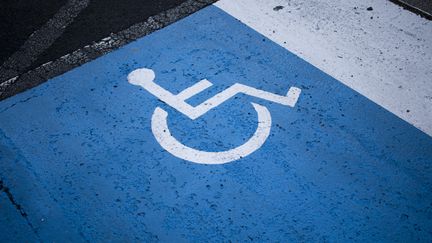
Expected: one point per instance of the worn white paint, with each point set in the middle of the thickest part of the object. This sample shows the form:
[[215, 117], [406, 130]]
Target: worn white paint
[[145, 77], [384, 54], [169, 143]]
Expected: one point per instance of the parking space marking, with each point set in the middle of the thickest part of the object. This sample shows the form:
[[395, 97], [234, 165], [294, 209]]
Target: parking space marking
[[384, 53], [334, 167]]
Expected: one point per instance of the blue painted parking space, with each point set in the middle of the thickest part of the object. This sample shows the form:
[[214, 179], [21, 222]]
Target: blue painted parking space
[[14, 227], [107, 155]]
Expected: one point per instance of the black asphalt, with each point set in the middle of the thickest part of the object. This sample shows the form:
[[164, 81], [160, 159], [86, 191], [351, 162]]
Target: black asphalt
[[420, 7], [101, 18], [21, 18], [38, 47]]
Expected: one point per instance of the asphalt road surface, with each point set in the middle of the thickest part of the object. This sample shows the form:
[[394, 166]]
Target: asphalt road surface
[[421, 7], [94, 22], [39, 33]]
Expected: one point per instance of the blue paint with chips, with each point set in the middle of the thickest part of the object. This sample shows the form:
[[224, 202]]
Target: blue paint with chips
[[79, 155]]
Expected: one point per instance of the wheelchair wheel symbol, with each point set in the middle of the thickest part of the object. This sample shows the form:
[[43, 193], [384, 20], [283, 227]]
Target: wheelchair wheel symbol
[[169, 143], [159, 122]]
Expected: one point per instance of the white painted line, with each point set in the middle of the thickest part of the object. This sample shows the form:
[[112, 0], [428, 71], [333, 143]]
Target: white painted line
[[384, 54], [172, 145], [145, 77], [42, 73], [41, 39], [194, 89]]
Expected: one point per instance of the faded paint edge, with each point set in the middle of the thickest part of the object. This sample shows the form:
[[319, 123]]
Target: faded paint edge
[[413, 9]]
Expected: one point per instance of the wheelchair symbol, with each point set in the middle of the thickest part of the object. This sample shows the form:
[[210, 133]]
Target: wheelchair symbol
[[145, 78]]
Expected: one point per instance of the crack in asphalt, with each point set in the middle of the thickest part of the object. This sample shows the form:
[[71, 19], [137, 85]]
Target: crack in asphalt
[[19, 208]]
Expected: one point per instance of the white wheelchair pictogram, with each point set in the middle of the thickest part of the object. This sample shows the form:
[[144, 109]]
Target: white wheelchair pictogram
[[145, 77]]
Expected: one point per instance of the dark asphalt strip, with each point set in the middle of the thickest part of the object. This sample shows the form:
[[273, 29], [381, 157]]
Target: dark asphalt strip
[[63, 64], [20, 18], [41, 39], [419, 7], [99, 20]]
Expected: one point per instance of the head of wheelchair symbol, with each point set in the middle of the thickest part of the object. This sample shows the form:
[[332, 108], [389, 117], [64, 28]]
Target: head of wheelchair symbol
[[145, 77]]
